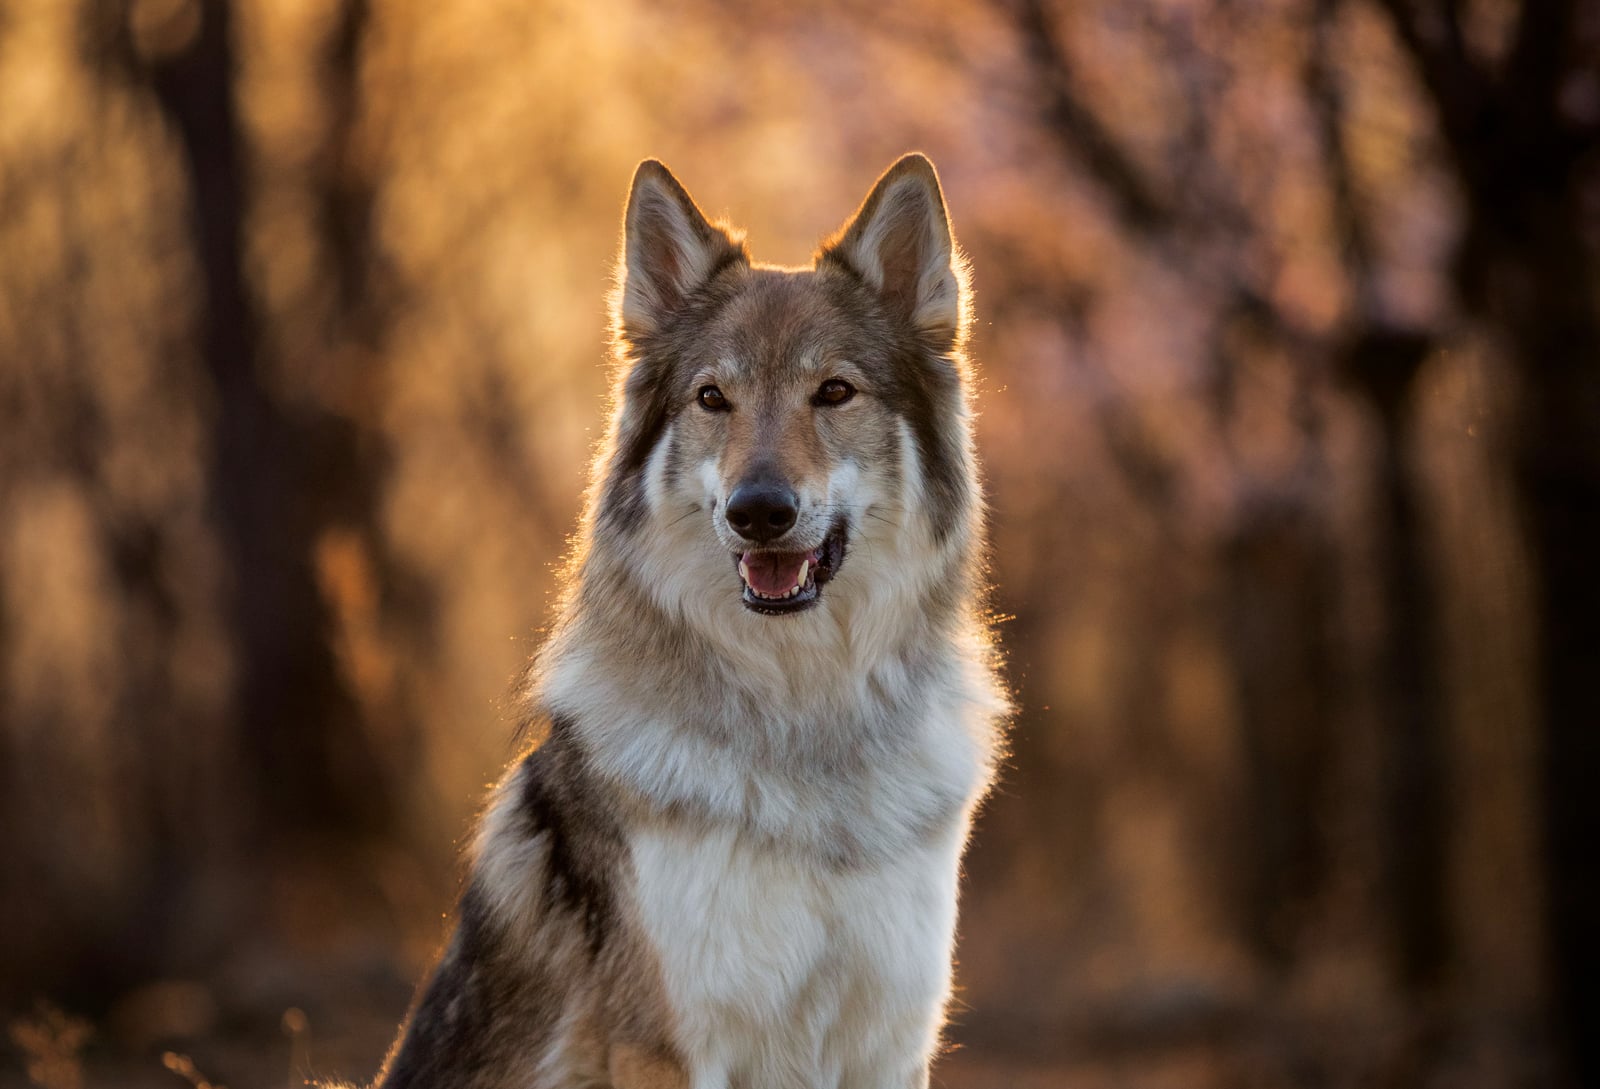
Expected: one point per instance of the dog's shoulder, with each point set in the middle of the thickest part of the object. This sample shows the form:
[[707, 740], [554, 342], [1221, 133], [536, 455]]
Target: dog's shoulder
[[542, 947], [550, 845]]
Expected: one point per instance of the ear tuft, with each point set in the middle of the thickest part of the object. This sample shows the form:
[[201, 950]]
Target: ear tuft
[[899, 242], [669, 249]]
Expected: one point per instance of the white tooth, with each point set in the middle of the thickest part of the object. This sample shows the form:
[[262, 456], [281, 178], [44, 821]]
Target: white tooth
[[805, 566], [744, 570]]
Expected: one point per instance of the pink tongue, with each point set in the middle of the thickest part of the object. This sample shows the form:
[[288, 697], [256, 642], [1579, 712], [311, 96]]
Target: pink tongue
[[773, 572]]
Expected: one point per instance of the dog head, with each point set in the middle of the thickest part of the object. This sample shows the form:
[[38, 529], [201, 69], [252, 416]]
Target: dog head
[[790, 442]]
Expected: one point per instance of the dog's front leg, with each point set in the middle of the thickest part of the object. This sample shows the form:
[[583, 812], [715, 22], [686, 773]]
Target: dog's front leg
[[471, 1027]]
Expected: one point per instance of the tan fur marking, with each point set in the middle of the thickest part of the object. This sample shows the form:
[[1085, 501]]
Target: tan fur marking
[[634, 1067], [775, 432]]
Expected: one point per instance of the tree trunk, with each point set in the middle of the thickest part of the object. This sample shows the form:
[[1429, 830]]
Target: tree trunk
[[271, 470], [1557, 342], [1280, 593], [1383, 364]]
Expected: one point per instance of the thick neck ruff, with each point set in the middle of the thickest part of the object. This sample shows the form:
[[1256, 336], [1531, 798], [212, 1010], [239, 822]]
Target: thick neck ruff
[[850, 753]]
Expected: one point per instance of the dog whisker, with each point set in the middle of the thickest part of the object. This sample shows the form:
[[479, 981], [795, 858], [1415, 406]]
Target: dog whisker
[[693, 510]]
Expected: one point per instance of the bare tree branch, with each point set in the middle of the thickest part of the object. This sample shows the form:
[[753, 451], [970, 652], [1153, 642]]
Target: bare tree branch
[[1457, 85], [1537, 60], [1082, 135], [1326, 99]]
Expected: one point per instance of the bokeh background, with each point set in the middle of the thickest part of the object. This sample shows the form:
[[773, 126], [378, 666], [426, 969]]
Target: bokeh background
[[1290, 349]]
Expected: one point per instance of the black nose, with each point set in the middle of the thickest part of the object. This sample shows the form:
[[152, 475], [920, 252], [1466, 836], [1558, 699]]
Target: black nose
[[762, 509]]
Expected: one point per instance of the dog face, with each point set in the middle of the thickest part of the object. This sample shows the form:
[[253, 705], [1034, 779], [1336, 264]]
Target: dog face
[[788, 437]]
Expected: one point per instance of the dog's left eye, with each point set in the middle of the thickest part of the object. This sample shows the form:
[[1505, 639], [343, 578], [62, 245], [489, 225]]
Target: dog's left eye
[[835, 391]]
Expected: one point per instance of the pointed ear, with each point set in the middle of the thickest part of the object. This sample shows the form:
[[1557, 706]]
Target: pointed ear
[[669, 249], [899, 242]]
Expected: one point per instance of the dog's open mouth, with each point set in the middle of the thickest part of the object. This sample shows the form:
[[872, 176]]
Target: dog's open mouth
[[788, 582]]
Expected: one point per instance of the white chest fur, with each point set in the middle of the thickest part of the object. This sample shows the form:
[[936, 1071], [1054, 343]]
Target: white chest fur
[[784, 974]]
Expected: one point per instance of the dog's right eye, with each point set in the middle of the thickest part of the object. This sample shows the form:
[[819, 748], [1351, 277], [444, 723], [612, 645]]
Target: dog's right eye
[[835, 391], [711, 399]]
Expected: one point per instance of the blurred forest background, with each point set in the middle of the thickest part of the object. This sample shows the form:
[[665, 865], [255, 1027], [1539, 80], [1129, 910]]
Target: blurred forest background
[[1290, 335]]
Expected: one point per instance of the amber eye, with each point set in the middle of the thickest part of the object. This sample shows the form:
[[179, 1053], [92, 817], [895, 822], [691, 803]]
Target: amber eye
[[835, 391], [711, 399]]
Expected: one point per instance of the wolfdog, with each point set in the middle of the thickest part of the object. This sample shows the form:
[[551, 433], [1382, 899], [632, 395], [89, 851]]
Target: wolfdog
[[769, 704]]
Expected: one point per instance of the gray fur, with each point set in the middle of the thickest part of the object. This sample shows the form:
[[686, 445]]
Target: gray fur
[[838, 741]]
